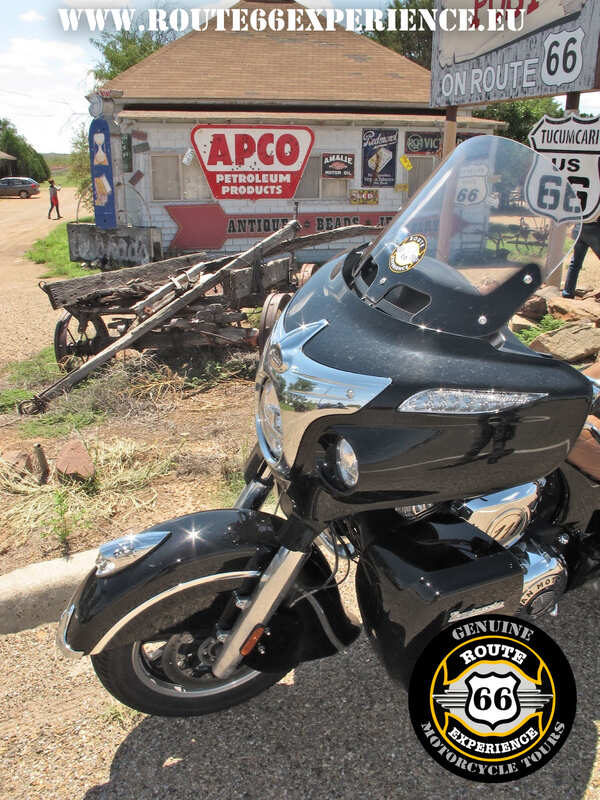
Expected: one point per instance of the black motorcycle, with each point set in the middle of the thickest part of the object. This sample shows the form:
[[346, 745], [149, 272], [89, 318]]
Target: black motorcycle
[[403, 425]]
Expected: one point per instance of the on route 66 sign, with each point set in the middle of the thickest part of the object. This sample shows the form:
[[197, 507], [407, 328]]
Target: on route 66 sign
[[573, 145]]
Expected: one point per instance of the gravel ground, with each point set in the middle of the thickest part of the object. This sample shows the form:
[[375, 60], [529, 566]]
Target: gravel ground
[[26, 318], [338, 728]]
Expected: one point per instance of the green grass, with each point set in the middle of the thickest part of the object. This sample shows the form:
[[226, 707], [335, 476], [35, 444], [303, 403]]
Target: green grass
[[10, 397], [547, 323], [54, 424], [32, 372], [53, 250]]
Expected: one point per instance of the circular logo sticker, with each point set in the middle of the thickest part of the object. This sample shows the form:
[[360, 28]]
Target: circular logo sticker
[[408, 253], [492, 699]]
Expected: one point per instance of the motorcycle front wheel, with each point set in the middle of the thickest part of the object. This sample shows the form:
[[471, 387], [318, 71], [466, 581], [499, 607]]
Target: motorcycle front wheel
[[172, 677]]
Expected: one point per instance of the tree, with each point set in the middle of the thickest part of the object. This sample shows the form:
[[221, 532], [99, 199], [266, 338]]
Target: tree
[[123, 49], [79, 168], [30, 163], [521, 115], [415, 45]]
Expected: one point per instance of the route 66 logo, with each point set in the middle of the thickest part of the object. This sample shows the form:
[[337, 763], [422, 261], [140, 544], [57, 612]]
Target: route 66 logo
[[492, 699], [407, 253], [562, 60]]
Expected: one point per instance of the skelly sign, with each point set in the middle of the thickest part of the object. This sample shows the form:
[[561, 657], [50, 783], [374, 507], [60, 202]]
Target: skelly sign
[[252, 162]]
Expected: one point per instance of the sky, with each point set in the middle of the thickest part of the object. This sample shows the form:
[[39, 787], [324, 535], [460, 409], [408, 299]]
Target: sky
[[45, 72]]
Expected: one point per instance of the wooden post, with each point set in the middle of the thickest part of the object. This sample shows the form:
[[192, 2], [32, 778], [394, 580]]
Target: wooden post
[[449, 132], [556, 245]]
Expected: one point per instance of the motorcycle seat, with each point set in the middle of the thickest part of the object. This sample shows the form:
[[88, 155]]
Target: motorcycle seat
[[585, 454]]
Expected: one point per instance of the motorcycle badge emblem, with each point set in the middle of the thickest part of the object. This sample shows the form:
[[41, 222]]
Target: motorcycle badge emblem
[[492, 698], [408, 253]]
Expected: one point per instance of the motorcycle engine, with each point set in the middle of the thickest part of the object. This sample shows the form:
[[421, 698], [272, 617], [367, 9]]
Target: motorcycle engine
[[504, 516]]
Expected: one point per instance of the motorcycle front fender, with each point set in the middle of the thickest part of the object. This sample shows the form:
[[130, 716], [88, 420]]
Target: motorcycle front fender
[[200, 555]]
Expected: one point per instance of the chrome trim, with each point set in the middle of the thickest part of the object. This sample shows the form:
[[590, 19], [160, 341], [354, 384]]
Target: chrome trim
[[306, 390], [274, 584], [505, 515], [120, 553], [180, 587], [61, 635], [544, 577]]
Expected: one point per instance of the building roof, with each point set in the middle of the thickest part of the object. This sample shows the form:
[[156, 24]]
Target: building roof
[[304, 117], [6, 157], [333, 70]]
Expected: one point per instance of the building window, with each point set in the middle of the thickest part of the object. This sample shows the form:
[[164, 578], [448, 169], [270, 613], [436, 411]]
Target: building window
[[308, 188], [166, 182], [195, 186], [423, 166], [334, 188]]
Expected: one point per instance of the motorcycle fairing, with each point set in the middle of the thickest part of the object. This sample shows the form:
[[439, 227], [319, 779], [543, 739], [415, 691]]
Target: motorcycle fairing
[[413, 582], [231, 543], [423, 457]]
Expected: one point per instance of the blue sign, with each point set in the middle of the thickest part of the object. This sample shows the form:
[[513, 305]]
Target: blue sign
[[379, 156], [102, 176]]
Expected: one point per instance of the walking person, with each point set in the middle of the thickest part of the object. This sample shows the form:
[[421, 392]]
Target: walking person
[[54, 190], [589, 237]]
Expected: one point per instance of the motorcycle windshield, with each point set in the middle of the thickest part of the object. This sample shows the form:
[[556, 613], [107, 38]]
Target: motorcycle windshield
[[485, 231]]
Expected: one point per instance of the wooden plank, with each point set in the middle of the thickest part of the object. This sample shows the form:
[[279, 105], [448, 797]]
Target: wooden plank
[[135, 281]]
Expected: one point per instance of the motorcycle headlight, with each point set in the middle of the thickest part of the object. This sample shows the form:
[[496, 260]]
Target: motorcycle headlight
[[269, 419], [346, 463]]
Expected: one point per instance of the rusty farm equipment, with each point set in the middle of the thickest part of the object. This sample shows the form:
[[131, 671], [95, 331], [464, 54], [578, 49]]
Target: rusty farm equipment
[[183, 302]]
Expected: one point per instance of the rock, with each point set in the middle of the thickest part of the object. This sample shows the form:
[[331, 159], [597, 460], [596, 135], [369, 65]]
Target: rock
[[19, 460], [548, 291], [74, 461], [519, 323], [574, 342], [534, 308], [572, 310]]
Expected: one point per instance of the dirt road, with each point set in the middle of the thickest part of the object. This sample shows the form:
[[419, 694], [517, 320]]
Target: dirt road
[[26, 318], [336, 729]]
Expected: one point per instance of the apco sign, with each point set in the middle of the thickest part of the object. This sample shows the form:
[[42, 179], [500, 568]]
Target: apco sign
[[573, 144], [252, 162], [549, 48], [337, 165]]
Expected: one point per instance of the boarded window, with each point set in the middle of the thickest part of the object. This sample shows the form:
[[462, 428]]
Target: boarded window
[[334, 188], [195, 186], [308, 188], [166, 184], [423, 166]]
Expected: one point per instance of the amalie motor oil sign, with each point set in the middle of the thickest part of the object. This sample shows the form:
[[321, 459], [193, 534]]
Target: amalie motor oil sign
[[252, 162]]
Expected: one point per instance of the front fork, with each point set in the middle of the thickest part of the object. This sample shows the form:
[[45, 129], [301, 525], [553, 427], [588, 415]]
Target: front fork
[[274, 584]]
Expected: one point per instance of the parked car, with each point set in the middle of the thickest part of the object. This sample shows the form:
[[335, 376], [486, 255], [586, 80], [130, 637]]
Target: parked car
[[18, 187]]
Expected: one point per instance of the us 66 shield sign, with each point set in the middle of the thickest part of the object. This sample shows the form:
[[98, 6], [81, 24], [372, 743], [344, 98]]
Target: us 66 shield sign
[[573, 144]]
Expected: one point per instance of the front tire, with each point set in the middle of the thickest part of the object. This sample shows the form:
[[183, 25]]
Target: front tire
[[152, 677]]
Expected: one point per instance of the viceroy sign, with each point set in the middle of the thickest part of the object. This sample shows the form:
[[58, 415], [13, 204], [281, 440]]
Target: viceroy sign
[[252, 162]]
